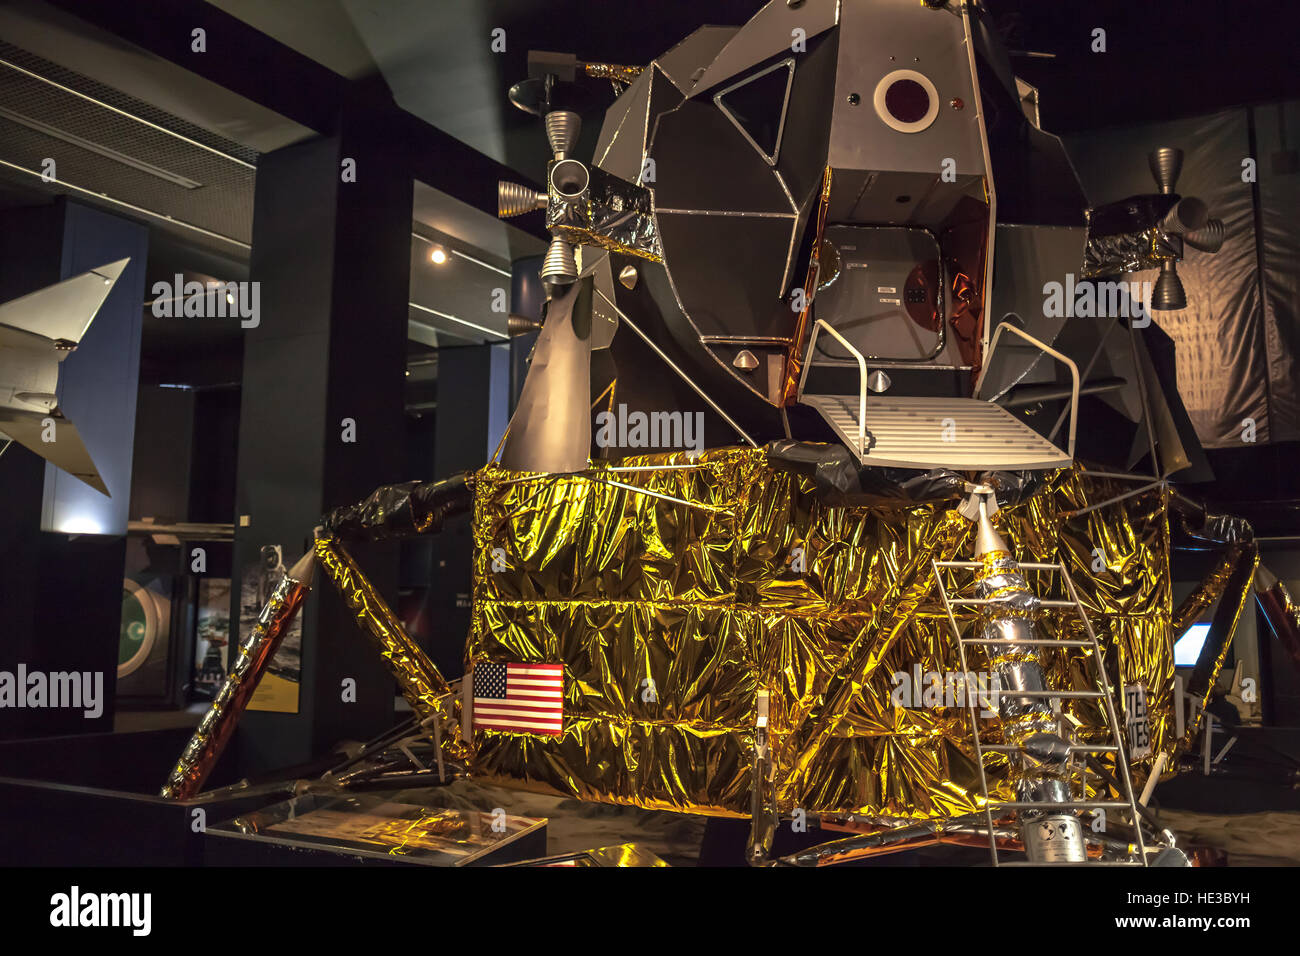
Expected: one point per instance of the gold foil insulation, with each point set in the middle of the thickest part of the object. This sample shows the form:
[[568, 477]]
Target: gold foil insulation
[[618, 72], [1230, 584], [671, 609], [417, 677], [1206, 593], [218, 724], [803, 325]]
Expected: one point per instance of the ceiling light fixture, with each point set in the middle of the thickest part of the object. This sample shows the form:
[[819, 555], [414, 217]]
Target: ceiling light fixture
[[438, 255]]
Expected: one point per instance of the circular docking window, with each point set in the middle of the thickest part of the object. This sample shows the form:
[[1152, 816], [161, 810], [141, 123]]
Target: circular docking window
[[907, 101]]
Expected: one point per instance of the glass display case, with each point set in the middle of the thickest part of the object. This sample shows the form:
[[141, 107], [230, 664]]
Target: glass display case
[[312, 828]]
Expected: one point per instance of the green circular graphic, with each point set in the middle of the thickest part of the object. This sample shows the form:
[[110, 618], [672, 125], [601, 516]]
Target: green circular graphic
[[133, 627], [139, 627]]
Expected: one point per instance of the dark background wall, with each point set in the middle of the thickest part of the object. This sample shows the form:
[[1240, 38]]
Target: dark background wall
[[61, 593], [1237, 343]]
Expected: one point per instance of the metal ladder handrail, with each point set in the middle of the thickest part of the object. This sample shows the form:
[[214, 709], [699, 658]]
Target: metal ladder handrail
[[862, 378], [1047, 349], [970, 709], [1103, 692]]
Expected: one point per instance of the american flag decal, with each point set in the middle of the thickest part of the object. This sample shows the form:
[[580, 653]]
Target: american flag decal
[[524, 698]]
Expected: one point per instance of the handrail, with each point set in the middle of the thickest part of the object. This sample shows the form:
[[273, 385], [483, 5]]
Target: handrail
[[1047, 349], [862, 378]]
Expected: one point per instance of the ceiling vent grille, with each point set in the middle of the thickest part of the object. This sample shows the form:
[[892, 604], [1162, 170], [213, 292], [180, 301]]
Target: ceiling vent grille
[[113, 150]]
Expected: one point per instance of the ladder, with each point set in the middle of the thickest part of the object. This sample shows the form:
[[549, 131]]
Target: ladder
[[1102, 693]]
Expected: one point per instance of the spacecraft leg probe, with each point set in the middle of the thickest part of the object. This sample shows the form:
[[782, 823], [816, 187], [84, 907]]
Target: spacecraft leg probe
[[1029, 709]]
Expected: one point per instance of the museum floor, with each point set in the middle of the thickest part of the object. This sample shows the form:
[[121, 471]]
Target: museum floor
[[1270, 838]]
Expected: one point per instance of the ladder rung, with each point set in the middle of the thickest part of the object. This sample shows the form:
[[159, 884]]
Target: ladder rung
[[980, 748], [1035, 642], [1026, 565], [1074, 748], [1080, 863], [1074, 805]]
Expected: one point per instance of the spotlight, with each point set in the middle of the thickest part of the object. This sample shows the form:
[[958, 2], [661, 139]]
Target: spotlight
[[230, 298], [439, 255], [81, 524]]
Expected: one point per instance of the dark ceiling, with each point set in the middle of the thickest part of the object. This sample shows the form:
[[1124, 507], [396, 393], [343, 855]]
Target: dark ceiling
[[1164, 58], [438, 61]]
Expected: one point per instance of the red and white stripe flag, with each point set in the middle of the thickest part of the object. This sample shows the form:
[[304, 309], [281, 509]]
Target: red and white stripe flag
[[524, 698]]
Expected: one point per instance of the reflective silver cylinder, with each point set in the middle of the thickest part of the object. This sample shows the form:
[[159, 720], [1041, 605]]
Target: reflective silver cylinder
[[1040, 767]]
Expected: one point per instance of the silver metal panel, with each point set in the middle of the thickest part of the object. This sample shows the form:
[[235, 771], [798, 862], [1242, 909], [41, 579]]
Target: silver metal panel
[[551, 429], [622, 137], [604, 318], [1028, 258], [769, 32], [886, 36], [868, 301], [690, 58], [911, 432]]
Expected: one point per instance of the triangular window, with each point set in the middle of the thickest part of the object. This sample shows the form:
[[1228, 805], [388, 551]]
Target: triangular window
[[757, 106]]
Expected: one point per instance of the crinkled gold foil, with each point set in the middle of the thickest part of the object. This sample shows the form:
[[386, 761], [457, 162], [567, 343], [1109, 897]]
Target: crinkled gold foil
[[1231, 583], [417, 677], [669, 616], [617, 72], [1204, 594]]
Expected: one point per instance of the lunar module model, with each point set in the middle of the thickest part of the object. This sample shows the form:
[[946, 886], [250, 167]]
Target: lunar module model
[[838, 487]]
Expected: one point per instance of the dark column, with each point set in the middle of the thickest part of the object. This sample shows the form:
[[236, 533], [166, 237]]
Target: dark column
[[332, 258], [477, 390], [473, 397], [30, 253], [527, 298], [61, 593]]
